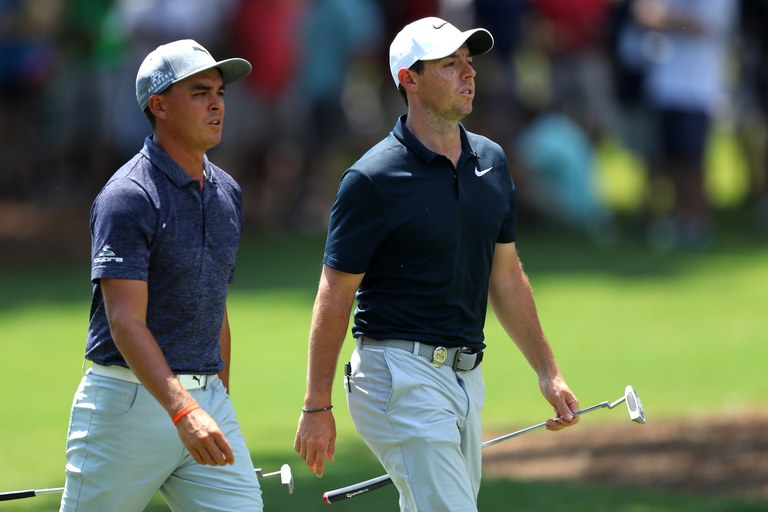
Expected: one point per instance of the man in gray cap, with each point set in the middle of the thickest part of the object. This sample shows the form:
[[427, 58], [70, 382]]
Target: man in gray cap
[[153, 412], [421, 234]]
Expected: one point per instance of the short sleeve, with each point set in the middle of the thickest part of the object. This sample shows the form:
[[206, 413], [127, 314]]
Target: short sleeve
[[508, 231], [357, 225], [122, 227]]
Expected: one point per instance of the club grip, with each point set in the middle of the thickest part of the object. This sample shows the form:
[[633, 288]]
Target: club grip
[[356, 489], [17, 495]]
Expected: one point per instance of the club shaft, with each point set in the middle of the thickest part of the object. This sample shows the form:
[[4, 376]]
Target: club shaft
[[369, 485], [499, 439], [30, 493]]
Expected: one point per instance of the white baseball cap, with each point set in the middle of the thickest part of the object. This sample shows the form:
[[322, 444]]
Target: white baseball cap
[[173, 62], [430, 39]]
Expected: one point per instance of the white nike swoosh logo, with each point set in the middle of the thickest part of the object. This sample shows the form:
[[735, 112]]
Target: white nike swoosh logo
[[480, 173]]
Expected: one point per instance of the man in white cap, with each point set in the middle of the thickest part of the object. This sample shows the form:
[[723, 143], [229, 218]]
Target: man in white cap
[[421, 234], [153, 412]]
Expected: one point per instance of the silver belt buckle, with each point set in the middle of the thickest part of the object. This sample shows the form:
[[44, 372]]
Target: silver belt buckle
[[439, 355]]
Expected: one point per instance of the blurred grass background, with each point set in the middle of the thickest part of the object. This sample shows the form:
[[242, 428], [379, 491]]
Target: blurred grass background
[[687, 329]]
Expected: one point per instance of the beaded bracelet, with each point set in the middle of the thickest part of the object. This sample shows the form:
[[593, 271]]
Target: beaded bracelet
[[317, 410], [183, 412]]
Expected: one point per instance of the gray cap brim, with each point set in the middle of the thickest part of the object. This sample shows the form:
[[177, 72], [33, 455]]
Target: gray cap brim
[[170, 63], [231, 70]]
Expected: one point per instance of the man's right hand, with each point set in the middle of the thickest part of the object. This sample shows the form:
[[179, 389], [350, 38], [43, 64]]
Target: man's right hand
[[204, 440], [316, 439]]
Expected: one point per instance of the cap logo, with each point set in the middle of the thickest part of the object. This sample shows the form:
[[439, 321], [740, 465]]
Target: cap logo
[[160, 80], [437, 27]]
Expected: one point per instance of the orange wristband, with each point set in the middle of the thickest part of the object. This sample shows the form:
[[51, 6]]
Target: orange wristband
[[183, 412]]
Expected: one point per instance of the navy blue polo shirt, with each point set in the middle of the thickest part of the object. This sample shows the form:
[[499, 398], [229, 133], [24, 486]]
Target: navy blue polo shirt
[[424, 234], [151, 222]]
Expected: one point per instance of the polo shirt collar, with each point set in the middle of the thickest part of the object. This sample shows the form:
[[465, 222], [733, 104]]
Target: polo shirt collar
[[410, 141], [170, 168]]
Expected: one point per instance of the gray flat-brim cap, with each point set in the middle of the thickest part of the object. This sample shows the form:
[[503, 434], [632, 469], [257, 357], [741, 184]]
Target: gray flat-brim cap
[[173, 62]]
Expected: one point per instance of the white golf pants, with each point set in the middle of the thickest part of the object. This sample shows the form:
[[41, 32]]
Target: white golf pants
[[422, 423], [122, 448]]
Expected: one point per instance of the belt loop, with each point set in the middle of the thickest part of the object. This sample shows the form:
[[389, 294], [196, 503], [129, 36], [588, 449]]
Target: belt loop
[[416, 347]]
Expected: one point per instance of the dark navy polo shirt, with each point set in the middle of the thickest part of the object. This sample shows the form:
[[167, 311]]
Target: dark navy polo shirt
[[424, 234], [151, 222]]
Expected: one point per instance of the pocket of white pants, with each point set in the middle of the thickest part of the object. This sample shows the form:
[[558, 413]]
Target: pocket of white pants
[[371, 377], [106, 397], [410, 375]]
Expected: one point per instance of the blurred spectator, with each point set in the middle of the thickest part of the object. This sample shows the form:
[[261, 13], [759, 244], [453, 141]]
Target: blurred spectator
[[335, 35], [264, 130], [268, 30], [93, 48], [629, 65], [685, 84], [295, 118], [319, 93], [556, 175], [397, 13], [28, 61], [497, 109], [574, 33], [752, 100], [562, 84], [504, 18]]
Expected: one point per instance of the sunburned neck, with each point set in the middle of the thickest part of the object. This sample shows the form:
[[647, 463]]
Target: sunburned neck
[[441, 136]]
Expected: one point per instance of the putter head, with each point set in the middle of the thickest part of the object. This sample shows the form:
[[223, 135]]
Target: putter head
[[635, 406], [286, 477]]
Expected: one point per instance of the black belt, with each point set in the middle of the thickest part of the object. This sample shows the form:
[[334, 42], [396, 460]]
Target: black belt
[[461, 359]]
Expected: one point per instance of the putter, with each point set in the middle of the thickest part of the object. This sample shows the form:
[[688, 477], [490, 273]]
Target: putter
[[635, 407], [286, 478], [636, 414]]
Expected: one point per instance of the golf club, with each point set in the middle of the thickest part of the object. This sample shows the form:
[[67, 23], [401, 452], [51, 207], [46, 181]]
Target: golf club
[[30, 493], [636, 414], [286, 478]]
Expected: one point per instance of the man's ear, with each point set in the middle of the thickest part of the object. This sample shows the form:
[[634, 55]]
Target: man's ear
[[406, 78], [156, 106]]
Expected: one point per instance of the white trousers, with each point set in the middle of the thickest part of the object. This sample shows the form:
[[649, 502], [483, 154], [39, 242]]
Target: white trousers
[[423, 424], [122, 448]]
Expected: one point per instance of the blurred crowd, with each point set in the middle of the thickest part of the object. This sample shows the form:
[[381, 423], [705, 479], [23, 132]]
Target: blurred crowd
[[565, 76]]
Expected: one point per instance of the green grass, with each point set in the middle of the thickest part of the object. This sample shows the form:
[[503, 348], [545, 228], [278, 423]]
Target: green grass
[[686, 329]]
